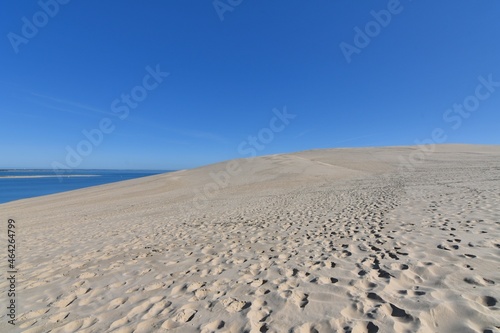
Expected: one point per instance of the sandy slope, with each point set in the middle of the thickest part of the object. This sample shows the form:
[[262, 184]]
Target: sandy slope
[[341, 240]]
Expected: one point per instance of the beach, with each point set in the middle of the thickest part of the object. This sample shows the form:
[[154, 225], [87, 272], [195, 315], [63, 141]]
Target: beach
[[386, 239]]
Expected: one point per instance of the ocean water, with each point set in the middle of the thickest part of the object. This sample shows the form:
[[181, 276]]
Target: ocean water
[[20, 184]]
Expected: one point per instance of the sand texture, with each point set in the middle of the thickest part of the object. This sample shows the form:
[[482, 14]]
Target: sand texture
[[340, 240]]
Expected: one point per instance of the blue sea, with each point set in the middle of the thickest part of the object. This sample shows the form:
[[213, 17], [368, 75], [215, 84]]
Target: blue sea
[[34, 183]]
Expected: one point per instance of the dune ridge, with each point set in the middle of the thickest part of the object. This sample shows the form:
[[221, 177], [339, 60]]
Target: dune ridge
[[332, 240]]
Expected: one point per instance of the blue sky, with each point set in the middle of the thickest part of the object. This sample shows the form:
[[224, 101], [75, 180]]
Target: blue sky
[[225, 78]]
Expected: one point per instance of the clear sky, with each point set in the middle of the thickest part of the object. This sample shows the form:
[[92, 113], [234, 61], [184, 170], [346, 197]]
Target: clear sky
[[353, 73]]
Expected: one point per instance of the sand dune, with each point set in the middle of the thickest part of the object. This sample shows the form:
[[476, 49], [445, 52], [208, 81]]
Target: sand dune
[[340, 240]]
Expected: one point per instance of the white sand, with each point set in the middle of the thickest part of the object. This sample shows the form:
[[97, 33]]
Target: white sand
[[336, 240]]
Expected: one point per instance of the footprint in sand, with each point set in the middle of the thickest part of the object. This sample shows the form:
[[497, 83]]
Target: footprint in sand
[[82, 291], [194, 286], [154, 286], [34, 314], [213, 326], [117, 284], [65, 301], [291, 272], [327, 280], [374, 297], [119, 323], [143, 307], [478, 281], [233, 305], [201, 293], [262, 291], [157, 308], [58, 317], [116, 303], [178, 290], [399, 313], [182, 316], [258, 283], [488, 301], [76, 325], [87, 275], [300, 299], [258, 315], [28, 323]]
